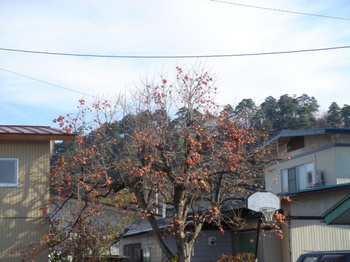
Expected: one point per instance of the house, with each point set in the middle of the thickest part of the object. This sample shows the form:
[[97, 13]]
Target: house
[[25, 153], [339, 214], [312, 173], [99, 222], [139, 244]]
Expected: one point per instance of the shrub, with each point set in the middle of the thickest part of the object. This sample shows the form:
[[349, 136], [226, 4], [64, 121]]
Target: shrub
[[240, 257]]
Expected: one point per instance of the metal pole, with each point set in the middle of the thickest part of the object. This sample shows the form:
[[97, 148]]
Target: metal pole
[[257, 239]]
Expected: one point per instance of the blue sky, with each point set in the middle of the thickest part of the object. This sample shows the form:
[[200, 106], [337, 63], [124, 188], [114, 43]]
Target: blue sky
[[35, 89]]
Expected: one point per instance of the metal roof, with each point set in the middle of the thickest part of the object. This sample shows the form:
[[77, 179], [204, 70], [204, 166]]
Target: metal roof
[[338, 214], [307, 132], [316, 189], [19, 132]]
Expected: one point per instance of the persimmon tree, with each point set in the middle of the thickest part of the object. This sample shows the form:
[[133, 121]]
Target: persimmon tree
[[85, 218], [84, 230], [171, 143], [83, 226]]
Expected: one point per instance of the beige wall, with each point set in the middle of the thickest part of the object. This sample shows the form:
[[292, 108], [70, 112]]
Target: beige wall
[[314, 235], [343, 165], [279, 150], [333, 161], [314, 204], [21, 221], [306, 230], [324, 160]]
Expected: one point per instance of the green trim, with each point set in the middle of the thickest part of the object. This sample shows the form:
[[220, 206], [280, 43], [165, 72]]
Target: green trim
[[337, 210], [307, 190]]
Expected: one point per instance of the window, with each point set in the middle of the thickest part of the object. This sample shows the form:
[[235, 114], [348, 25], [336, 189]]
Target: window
[[334, 258], [310, 259], [297, 177], [292, 179], [8, 172], [146, 255]]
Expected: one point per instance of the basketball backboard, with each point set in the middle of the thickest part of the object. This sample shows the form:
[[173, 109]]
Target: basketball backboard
[[259, 200]]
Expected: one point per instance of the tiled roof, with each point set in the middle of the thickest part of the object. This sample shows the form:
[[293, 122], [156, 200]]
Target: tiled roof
[[10, 132]]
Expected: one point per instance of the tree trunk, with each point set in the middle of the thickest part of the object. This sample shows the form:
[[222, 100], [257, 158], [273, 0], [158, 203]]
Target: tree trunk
[[184, 250], [185, 257], [159, 239], [180, 214], [185, 241], [151, 219]]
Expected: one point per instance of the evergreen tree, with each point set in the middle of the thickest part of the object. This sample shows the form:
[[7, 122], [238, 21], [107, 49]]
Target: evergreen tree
[[345, 114], [270, 114], [307, 107], [296, 112], [287, 113], [248, 111], [334, 115]]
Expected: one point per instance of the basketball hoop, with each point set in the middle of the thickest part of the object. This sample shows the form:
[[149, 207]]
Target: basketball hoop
[[268, 213], [266, 203], [263, 201]]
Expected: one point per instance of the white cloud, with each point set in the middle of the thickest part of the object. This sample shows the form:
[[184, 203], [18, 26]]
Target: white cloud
[[181, 27]]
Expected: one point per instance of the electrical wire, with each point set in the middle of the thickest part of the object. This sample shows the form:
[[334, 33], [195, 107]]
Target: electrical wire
[[175, 56], [38, 80], [281, 10]]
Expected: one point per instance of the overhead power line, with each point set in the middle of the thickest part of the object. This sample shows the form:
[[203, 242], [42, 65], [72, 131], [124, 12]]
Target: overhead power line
[[38, 80], [175, 56], [281, 10]]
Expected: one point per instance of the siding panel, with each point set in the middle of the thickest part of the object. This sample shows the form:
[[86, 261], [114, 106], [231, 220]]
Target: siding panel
[[314, 235], [343, 164], [270, 248], [203, 252], [20, 217], [148, 243]]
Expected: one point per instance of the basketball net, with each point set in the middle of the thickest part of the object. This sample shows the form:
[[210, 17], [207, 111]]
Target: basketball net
[[268, 213]]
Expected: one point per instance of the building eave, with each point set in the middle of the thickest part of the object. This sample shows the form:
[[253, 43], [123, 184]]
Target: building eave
[[316, 190], [339, 214], [307, 132], [41, 133]]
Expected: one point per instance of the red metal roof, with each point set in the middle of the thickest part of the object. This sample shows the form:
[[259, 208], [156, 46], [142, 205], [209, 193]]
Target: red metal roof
[[33, 133]]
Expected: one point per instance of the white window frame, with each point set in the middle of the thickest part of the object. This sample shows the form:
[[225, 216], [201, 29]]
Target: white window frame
[[15, 184], [300, 176]]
